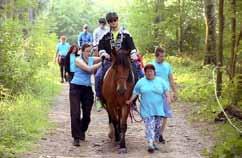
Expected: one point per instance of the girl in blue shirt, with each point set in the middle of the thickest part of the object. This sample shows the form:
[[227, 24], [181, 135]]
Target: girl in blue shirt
[[81, 93], [164, 70], [70, 62], [151, 89]]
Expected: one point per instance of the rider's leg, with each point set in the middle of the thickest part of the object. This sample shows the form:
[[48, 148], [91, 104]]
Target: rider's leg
[[98, 78], [98, 82]]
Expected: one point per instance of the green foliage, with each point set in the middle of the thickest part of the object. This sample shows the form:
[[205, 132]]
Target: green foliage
[[12, 56], [28, 76], [230, 146], [140, 24], [148, 32], [25, 118], [195, 84], [69, 19], [22, 57]]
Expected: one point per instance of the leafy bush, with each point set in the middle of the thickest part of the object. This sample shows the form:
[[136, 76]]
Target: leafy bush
[[28, 82]]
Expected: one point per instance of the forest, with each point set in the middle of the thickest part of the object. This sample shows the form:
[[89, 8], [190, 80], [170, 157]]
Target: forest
[[202, 38]]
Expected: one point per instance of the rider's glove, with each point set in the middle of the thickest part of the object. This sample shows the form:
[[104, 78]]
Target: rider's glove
[[105, 55], [133, 55]]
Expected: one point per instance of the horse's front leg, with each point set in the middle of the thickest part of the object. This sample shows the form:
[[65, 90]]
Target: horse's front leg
[[123, 127], [114, 133]]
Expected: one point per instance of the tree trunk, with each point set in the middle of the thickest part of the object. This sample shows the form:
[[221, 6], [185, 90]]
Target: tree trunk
[[159, 5], [237, 99], [180, 32], [233, 39], [238, 40], [210, 44], [220, 48]]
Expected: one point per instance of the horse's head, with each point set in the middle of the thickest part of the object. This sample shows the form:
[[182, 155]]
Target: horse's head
[[122, 67]]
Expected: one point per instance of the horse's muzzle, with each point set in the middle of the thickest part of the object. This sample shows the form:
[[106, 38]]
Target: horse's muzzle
[[121, 91]]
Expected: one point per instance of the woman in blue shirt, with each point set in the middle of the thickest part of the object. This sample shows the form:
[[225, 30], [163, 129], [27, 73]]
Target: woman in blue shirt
[[61, 51], [164, 70], [70, 62], [151, 89], [81, 93]]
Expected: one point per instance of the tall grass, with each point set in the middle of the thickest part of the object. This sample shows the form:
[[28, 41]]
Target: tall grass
[[24, 118]]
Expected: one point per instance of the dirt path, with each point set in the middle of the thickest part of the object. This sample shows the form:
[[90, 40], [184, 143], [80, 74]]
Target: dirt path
[[183, 141]]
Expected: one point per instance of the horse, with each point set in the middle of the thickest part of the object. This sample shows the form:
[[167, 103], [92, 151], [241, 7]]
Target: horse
[[117, 87]]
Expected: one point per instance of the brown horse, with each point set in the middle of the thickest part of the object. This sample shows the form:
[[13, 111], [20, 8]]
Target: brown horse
[[117, 87]]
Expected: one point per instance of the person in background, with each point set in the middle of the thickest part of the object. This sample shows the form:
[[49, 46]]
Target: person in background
[[98, 34], [152, 90], [84, 37], [61, 52], [139, 66], [70, 62], [140, 60], [164, 70], [81, 93]]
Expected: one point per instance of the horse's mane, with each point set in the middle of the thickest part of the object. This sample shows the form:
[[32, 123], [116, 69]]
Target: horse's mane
[[122, 58]]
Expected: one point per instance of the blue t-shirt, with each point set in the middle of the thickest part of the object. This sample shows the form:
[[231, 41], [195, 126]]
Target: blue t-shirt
[[82, 77], [84, 37], [163, 70], [72, 62], [62, 48], [152, 93]]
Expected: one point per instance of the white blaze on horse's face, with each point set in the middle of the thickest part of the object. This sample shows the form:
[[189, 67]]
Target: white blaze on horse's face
[[121, 79]]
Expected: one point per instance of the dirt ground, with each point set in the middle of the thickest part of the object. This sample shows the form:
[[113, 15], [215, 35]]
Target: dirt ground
[[184, 140]]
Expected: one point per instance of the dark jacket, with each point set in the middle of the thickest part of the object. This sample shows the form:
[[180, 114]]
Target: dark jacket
[[67, 61], [124, 41]]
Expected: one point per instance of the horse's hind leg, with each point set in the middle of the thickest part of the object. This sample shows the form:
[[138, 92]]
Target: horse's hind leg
[[123, 123]]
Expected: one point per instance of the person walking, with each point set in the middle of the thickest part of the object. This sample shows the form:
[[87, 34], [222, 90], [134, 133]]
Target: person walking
[[81, 93], [84, 37], [164, 70], [152, 90], [61, 51]]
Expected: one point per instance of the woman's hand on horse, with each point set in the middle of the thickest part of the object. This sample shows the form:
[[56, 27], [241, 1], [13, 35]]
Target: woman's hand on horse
[[128, 102]]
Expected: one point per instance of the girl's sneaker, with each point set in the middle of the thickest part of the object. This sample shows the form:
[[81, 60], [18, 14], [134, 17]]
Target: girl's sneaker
[[151, 147]]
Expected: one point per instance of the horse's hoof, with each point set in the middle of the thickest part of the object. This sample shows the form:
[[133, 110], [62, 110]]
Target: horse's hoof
[[122, 151], [117, 144], [110, 135]]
